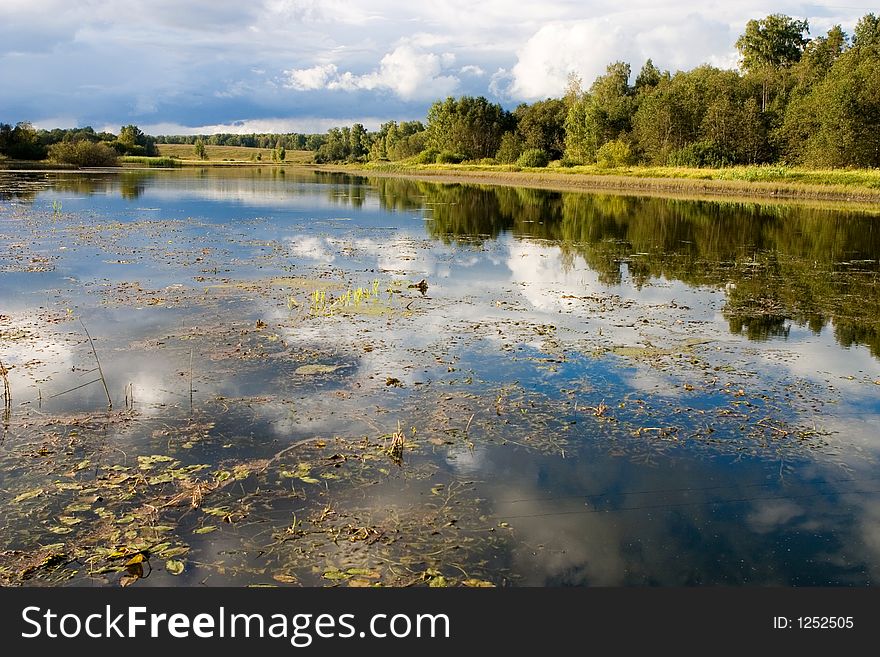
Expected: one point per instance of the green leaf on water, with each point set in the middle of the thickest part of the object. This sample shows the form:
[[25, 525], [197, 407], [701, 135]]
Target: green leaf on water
[[174, 566], [205, 530], [29, 495], [147, 462], [335, 575]]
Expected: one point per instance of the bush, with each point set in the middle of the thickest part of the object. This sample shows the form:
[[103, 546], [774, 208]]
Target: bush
[[428, 156], [701, 154], [534, 157], [448, 157], [614, 154], [83, 154]]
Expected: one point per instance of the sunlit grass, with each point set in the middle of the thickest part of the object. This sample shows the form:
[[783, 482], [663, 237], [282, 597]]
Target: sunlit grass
[[231, 154]]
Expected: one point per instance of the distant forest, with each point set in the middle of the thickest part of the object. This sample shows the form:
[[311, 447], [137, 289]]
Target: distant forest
[[812, 102]]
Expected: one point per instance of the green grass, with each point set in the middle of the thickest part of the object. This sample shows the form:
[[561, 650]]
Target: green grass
[[767, 181], [230, 154], [867, 178], [152, 162]]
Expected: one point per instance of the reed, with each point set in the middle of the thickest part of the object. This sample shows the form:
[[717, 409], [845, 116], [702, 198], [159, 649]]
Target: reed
[[98, 362]]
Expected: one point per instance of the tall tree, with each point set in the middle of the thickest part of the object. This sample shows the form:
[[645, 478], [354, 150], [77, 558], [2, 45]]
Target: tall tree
[[867, 32], [769, 45], [602, 114]]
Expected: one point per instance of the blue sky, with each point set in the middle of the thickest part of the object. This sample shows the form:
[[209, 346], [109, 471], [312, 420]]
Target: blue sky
[[177, 66]]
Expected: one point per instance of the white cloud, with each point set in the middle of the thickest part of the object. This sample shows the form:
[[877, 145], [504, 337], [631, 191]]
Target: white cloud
[[470, 69], [305, 124], [586, 47], [316, 77], [406, 71]]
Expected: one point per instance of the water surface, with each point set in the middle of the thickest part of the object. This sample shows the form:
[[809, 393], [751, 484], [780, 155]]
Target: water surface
[[586, 390]]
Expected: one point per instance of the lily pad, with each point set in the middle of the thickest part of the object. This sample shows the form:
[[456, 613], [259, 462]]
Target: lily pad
[[174, 566]]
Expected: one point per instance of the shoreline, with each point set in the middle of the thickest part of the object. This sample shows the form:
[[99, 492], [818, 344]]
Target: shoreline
[[684, 188]]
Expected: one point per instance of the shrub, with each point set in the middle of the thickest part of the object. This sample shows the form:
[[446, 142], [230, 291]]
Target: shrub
[[83, 154], [448, 157], [701, 154], [533, 157], [614, 154], [428, 156]]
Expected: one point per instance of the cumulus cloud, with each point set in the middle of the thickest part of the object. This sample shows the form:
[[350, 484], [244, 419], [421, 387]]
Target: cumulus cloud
[[316, 77], [406, 71], [586, 47], [471, 69]]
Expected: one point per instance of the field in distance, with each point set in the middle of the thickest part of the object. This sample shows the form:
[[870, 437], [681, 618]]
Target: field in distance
[[231, 154]]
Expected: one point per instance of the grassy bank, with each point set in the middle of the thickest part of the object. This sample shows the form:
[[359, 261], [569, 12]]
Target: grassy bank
[[860, 185]]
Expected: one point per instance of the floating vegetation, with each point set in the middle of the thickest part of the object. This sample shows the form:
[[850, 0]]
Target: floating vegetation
[[573, 403]]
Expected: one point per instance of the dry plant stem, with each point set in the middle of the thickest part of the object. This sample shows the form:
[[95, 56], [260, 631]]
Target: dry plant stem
[[98, 361], [190, 379], [7, 391]]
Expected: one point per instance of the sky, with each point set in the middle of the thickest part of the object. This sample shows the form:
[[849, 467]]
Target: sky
[[204, 66]]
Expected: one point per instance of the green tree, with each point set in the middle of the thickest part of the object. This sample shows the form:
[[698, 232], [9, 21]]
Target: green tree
[[200, 151], [469, 126], [776, 41], [867, 33], [358, 142], [542, 126], [21, 142], [838, 119], [648, 78], [705, 104], [133, 141], [511, 147], [770, 45], [602, 114]]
